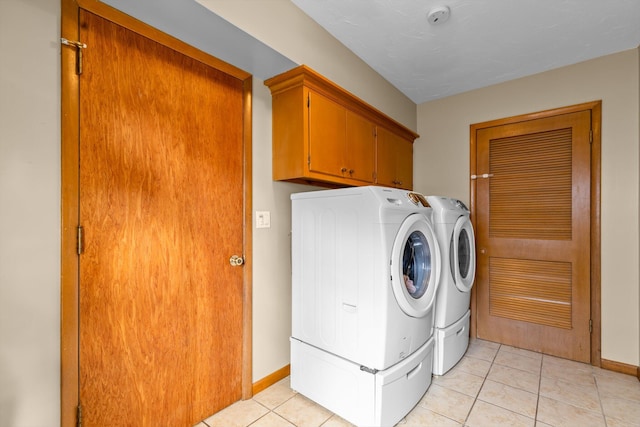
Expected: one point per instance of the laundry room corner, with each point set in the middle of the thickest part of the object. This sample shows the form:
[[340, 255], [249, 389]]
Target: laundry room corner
[[442, 164], [271, 248]]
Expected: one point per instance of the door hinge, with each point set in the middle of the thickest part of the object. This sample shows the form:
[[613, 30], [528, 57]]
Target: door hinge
[[79, 416], [80, 239], [308, 100], [79, 46], [590, 136], [590, 326], [484, 176]]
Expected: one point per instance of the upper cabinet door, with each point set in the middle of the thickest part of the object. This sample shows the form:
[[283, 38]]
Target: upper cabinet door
[[404, 163], [327, 136], [360, 148], [394, 160], [341, 143]]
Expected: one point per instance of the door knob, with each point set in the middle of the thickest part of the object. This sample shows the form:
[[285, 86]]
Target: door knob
[[236, 261]]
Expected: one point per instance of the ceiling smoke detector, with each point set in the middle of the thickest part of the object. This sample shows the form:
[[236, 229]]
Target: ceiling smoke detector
[[438, 15]]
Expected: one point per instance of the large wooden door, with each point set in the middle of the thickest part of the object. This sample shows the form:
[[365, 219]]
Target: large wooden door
[[533, 209], [161, 186]]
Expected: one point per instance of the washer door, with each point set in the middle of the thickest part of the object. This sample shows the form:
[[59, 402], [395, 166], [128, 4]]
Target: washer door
[[463, 254], [415, 266]]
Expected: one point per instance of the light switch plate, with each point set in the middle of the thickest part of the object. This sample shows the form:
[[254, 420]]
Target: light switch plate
[[263, 219]]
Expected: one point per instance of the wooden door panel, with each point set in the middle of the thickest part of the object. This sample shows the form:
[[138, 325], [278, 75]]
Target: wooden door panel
[[404, 163], [161, 179], [533, 291], [327, 137], [533, 234], [360, 147], [394, 160], [385, 163]]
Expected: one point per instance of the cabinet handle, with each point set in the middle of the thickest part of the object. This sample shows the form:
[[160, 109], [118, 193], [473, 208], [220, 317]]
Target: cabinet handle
[[351, 171], [343, 170]]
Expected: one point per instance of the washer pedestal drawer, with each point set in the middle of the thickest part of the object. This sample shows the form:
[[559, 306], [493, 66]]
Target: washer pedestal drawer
[[451, 344], [371, 399]]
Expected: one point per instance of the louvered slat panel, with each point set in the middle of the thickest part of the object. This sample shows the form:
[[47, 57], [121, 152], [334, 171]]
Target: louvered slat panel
[[531, 187], [531, 291]]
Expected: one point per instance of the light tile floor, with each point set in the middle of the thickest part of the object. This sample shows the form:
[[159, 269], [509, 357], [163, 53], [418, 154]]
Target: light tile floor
[[493, 385]]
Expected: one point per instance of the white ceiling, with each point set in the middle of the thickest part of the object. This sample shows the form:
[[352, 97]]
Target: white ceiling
[[482, 43]]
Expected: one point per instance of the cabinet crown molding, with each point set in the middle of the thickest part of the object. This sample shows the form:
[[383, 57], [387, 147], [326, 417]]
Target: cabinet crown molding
[[305, 76]]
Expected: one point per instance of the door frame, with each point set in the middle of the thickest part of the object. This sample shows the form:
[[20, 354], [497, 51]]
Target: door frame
[[595, 268], [70, 180]]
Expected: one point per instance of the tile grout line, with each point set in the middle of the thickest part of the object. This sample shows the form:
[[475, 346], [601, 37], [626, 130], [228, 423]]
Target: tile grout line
[[274, 408], [493, 359], [535, 418], [259, 418], [493, 362], [595, 380]]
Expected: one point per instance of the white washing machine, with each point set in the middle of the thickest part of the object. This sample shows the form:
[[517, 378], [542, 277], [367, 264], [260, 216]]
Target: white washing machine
[[457, 243], [365, 271]]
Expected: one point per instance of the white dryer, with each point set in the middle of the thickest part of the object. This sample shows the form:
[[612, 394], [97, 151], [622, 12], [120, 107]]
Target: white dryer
[[457, 243], [365, 271]]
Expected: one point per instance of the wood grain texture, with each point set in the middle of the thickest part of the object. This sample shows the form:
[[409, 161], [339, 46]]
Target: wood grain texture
[[533, 234], [327, 136], [247, 225], [69, 393], [271, 379], [623, 368], [531, 187], [161, 184], [321, 134], [360, 148], [394, 160], [303, 75], [531, 290]]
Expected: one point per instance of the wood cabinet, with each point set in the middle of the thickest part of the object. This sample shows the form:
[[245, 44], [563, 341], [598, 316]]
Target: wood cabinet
[[324, 135], [394, 160], [341, 143]]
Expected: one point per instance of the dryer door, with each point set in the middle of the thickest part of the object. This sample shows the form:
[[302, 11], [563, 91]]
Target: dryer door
[[463, 254], [415, 266]]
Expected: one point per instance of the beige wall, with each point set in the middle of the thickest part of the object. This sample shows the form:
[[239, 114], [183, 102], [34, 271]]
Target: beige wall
[[283, 27], [30, 185], [271, 248], [30, 199], [442, 166], [29, 213]]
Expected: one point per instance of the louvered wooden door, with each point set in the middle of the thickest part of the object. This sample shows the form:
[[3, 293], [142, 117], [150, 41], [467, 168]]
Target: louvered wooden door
[[533, 234]]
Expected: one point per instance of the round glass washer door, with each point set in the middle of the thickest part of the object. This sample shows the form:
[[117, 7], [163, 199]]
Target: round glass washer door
[[415, 266], [463, 254]]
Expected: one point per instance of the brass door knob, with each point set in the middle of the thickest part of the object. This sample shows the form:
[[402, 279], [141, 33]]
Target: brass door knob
[[236, 261]]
